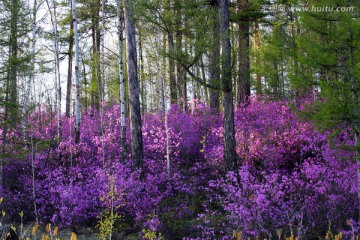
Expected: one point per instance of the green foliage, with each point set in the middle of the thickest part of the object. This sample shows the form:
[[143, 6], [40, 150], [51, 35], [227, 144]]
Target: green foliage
[[330, 43], [106, 223]]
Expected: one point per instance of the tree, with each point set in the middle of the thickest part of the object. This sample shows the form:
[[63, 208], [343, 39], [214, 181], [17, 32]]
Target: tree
[[329, 42], [168, 20], [214, 59], [226, 85], [70, 65], [135, 114], [77, 75], [14, 64], [243, 78], [122, 81]]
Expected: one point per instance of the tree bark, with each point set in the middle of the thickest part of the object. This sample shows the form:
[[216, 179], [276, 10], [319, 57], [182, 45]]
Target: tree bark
[[180, 72], [77, 74], [122, 83], [226, 81], [135, 116], [70, 63]]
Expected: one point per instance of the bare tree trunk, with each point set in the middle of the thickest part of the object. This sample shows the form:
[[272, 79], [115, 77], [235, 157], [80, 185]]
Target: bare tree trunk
[[135, 117], [77, 74], [243, 83], [122, 83], [70, 63], [226, 81]]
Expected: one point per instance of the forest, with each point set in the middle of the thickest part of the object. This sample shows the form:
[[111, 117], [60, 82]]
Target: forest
[[179, 119]]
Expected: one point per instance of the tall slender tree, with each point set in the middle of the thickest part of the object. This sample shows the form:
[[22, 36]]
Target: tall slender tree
[[214, 58], [70, 66], [226, 84], [243, 78], [122, 81], [135, 114], [77, 75]]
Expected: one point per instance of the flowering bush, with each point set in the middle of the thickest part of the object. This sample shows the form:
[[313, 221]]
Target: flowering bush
[[290, 179]]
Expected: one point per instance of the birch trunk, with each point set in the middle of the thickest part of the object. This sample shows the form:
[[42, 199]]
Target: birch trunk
[[122, 83], [77, 75]]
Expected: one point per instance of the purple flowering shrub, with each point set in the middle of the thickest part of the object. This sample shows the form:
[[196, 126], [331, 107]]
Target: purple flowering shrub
[[289, 179]]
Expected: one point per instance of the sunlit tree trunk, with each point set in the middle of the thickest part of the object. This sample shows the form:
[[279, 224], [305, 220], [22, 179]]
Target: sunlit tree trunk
[[135, 116]]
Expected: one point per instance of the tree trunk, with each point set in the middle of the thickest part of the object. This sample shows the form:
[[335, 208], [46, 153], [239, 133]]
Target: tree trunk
[[95, 83], [77, 74], [135, 116], [226, 81], [102, 63], [243, 81], [142, 79], [12, 104], [69, 76], [171, 48], [32, 71], [257, 57], [214, 67], [180, 72], [122, 82]]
